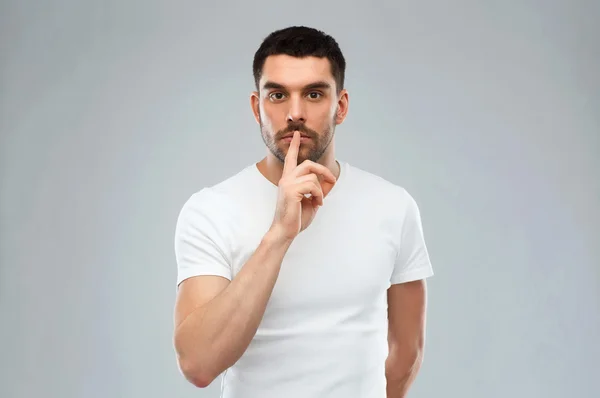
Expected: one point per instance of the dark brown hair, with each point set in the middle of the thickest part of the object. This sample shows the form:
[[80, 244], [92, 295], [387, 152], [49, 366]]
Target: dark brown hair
[[301, 41]]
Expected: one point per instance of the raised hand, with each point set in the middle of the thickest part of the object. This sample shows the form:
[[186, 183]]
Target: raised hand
[[302, 189]]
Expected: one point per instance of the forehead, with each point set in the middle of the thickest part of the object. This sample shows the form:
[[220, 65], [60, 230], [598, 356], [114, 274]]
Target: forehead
[[292, 71]]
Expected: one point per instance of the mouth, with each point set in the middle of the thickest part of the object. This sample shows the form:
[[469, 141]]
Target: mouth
[[289, 136]]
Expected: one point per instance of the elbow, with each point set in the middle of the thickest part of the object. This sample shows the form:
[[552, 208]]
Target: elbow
[[407, 350], [417, 355], [415, 358], [195, 374], [193, 366], [199, 380], [400, 364]]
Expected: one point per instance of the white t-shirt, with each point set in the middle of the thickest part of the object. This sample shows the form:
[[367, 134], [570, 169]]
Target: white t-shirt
[[324, 331]]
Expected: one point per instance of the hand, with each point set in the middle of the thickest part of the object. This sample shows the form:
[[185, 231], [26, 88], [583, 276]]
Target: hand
[[295, 210]]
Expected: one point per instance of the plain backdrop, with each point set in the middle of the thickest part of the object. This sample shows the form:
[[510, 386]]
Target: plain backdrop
[[112, 113]]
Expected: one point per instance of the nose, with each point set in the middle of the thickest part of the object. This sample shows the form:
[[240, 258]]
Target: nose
[[296, 111]]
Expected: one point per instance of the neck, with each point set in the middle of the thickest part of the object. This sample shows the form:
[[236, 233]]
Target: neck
[[272, 168]]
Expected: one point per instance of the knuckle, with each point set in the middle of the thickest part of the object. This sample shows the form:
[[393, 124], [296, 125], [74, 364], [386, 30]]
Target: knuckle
[[309, 164]]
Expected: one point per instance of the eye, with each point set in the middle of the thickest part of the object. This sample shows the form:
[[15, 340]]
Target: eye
[[276, 96], [314, 95]]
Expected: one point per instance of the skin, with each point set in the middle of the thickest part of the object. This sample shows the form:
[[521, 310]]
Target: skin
[[295, 211], [215, 319], [407, 309], [298, 94], [290, 98]]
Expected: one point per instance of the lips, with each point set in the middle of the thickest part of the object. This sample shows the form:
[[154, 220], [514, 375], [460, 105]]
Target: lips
[[291, 135]]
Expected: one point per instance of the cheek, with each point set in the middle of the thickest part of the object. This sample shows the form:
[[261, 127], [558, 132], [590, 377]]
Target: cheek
[[325, 115], [269, 114]]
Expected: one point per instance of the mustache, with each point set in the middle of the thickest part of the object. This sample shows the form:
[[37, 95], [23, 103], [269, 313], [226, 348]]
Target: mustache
[[293, 126]]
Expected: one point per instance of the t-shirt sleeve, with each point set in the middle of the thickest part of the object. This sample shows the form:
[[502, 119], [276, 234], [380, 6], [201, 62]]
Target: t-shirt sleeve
[[412, 260], [200, 247]]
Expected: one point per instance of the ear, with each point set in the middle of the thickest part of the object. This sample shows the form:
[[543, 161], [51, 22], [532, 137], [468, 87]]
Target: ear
[[255, 105], [342, 107]]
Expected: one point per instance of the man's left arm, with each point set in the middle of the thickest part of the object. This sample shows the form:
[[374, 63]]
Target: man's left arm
[[407, 304]]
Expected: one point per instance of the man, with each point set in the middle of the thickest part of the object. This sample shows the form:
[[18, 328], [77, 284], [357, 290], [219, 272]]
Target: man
[[301, 275]]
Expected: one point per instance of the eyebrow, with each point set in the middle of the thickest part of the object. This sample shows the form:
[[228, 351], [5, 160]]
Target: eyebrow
[[312, 86]]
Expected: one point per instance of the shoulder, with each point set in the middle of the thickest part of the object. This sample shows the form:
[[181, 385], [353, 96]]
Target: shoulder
[[217, 200], [384, 190], [388, 201]]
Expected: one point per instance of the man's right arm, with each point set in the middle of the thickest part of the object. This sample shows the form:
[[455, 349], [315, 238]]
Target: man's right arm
[[215, 319]]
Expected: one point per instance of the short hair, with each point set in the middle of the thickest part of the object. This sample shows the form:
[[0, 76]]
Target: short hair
[[301, 41]]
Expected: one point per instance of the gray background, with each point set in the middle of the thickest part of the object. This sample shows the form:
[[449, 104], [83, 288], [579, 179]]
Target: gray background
[[113, 113]]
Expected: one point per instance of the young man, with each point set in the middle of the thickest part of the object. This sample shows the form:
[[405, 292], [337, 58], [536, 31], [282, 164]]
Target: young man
[[301, 275]]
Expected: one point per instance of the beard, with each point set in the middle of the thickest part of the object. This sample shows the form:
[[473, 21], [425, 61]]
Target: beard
[[313, 150]]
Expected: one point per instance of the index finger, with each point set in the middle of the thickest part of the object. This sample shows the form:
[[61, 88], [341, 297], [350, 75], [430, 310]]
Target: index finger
[[291, 159]]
